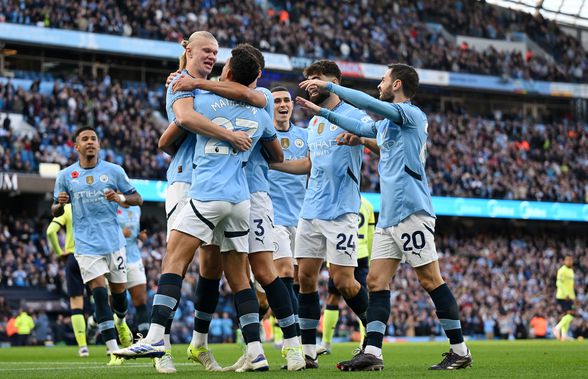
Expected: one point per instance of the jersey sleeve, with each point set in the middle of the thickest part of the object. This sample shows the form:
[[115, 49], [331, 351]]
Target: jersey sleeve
[[358, 122], [410, 115], [365, 101], [269, 131], [123, 184], [173, 96], [60, 185], [269, 106], [52, 230]]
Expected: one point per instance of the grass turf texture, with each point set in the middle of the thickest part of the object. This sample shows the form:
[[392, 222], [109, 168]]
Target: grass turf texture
[[514, 359]]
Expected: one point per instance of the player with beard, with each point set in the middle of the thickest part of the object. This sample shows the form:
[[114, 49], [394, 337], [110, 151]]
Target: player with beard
[[327, 229], [406, 226]]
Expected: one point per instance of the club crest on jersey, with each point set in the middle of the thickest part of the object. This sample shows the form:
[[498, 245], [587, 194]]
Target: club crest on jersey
[[285, 142], [321, 128], [333, 127], [104, 178], [299, 142], [90, 179]]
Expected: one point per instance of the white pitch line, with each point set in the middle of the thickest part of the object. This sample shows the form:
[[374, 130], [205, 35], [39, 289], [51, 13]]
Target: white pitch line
[[73, 366]]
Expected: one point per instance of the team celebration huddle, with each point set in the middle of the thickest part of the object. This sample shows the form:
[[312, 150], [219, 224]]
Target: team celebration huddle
[[265, 203]]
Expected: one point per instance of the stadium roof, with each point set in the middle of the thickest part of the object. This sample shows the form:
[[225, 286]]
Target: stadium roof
[[571, 12]]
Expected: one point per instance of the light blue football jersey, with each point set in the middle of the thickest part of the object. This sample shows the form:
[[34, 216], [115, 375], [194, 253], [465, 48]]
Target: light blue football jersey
[[96, 230], [333, 187], [131, 218], [402, 138], [219, 174], [257, 167], [287, 190], [180, 167]]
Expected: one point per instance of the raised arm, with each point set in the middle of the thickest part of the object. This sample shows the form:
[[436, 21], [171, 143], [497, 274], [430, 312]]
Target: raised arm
[[230, 90], [364, 129], [193, 121], [366, 102]]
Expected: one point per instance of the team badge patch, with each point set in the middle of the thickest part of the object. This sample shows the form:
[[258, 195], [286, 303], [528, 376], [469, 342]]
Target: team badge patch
[[321, 128], [90, 179], [104, 178], [285, 142], [299, 142], [333, 127]]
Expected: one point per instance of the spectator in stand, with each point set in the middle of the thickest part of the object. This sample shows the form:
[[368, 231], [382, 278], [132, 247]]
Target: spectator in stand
[[24, 327], [362, 31]]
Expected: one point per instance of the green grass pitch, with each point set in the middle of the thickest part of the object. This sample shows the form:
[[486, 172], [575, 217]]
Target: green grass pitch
[[512, 359]]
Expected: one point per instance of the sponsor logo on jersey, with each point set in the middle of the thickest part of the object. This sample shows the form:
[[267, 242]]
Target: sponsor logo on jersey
[[299, 142], [285, 143], [90, 179], [104, 178]]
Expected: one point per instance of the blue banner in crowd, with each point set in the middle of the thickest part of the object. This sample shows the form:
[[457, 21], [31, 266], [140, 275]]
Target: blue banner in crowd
[[153, 190]]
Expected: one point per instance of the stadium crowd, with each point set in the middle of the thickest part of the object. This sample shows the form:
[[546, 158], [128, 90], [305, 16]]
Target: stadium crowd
[[502, 280], [501, 157], [510, 157], [311, 29], [124, 119]]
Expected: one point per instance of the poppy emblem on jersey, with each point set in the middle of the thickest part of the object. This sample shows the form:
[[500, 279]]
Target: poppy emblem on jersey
[[285, 143], [75, 174], [333, 127], [104, 178], [90, 179], [315, 121], [119, 212], [321, 128], [299, 142]]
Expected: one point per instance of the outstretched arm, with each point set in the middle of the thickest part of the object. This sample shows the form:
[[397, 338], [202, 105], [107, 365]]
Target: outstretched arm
[[364, 129], [358, 98], [350, 139], [230, 90], [295, 166]]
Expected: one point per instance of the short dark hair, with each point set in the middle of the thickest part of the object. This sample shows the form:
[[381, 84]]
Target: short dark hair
[[407, 75], [280, 89], [83, 129], [323, 67], [244, 65], [256, 53]]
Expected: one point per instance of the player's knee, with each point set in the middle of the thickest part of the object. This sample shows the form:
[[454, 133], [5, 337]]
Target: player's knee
[[307, 279], [429, 283], [346, 284], [376, 283]]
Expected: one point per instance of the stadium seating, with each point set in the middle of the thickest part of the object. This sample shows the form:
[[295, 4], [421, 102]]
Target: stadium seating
[[311, 29], [512, 158]]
